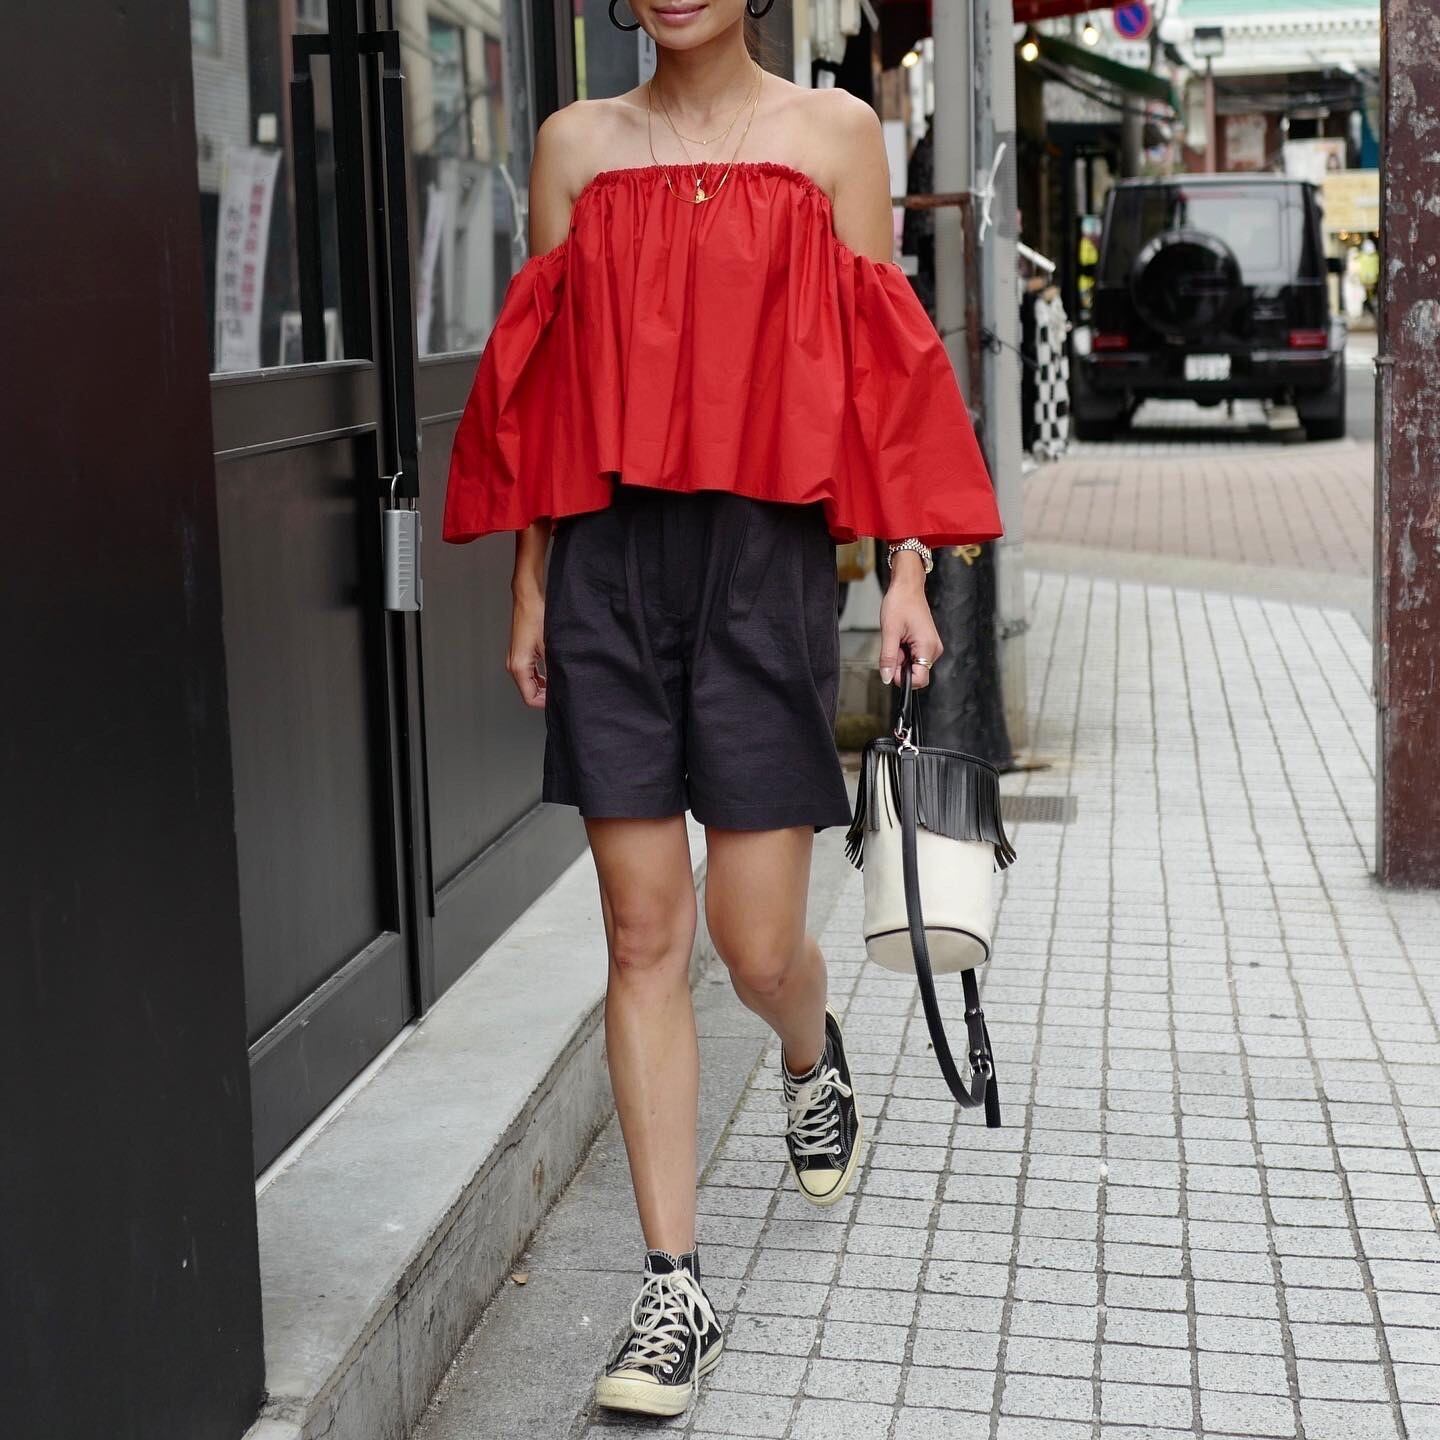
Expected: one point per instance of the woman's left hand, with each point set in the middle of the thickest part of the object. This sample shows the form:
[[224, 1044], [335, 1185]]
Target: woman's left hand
[[906, 625]]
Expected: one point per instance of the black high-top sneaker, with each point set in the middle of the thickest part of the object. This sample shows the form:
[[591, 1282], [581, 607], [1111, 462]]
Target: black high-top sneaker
[[674, 1340], [823, 1136]]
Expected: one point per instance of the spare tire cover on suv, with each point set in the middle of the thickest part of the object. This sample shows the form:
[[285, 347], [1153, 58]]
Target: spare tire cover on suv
[[1186, 283]]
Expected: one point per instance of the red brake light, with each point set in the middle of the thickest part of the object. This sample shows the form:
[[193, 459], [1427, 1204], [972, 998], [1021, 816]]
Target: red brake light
[[1308, 339], [1106, 341]]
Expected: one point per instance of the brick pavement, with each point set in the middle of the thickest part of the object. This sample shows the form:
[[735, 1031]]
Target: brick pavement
[[1191, 482], [1213, 1208]]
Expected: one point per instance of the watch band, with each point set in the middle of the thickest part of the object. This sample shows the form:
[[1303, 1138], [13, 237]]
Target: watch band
[[918, 546]]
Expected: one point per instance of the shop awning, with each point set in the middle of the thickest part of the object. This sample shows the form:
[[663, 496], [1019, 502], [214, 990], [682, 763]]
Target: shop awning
[[1117, 79], [1027, 12]]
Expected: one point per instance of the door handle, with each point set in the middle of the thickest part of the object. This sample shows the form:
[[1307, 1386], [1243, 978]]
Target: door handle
[[399, 302], [304, 48]]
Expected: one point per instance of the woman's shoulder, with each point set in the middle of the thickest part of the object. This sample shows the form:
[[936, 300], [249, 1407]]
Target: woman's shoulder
[[823, 129], [577, 141]]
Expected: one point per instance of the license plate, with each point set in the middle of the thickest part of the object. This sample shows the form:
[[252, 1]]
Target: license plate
[[1207, 367]]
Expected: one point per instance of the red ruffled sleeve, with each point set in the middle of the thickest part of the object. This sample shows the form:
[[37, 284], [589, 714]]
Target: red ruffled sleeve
[[499, 476], [736, 346], [909, 463]]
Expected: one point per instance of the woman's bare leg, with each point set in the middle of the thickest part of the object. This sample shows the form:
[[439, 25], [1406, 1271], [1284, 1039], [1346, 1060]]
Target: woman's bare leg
[[647, 894], [756, 884]]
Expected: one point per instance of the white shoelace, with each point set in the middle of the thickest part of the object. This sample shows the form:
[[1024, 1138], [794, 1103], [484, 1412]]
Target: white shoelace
[[667, 1309], [814, 1114]]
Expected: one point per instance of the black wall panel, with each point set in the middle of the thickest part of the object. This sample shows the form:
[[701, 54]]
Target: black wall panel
[[129, 1286]]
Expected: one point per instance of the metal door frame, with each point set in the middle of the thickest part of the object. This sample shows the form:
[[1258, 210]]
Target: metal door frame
[[308, 1054]]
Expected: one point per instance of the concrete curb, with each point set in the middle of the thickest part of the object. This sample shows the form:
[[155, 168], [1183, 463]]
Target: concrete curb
[[383, 1242]]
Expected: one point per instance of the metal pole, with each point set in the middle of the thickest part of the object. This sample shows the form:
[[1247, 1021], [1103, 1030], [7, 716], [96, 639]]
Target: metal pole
[[1407, 443], [1212, 146], [962, 706], [1000, 314], [1132, 132], [954, 171]]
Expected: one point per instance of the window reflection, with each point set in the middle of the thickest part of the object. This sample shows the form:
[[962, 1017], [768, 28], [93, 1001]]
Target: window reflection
[[469, 124], [241, 63]]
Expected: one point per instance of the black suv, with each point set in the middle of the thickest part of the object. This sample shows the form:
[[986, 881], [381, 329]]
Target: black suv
[[1211, 288]]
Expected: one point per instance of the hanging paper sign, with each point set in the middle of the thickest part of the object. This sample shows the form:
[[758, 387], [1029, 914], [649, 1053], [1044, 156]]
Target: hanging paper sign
[[1132, 20], [243, 241]]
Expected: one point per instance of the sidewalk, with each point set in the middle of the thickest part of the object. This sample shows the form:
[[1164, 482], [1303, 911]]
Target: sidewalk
[[1212, 1209], [1176, 487]]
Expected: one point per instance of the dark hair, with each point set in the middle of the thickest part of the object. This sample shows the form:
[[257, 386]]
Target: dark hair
[[759, 42]]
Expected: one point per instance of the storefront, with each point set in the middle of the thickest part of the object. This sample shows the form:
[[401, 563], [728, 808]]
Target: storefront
[[386, 780], [268, 821]]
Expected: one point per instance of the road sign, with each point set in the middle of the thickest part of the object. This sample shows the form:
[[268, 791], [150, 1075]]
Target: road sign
[[1132, 19]]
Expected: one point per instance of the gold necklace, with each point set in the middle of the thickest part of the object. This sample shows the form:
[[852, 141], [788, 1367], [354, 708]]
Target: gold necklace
[[698, 177], [690, 139]]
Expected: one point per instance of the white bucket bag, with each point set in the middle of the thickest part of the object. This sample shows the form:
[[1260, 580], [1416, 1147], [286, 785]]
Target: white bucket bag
[[929, 836]]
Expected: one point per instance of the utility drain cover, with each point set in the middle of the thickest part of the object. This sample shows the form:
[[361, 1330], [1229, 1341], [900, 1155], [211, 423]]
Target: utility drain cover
[[1038, 809]]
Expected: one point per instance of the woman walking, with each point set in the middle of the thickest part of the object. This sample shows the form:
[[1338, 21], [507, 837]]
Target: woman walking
[[708, 373]]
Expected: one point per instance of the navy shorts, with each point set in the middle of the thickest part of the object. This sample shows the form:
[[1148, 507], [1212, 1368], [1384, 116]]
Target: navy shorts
[[692, 656]]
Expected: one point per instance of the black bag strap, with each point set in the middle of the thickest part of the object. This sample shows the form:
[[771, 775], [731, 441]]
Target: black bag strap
[[982, 1089]]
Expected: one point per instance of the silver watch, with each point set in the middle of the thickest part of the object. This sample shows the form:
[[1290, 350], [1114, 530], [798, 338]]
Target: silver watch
[[919, 547]]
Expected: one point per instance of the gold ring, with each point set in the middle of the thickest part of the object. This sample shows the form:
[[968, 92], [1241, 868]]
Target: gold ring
[[920, 660]]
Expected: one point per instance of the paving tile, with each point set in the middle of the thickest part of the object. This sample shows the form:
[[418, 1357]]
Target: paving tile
[[1062, 1322], [1146, 1327], [1014, 1427], [853, 1380], [1031, 1355], [873, 1307], [848, 1340], [825, 1419], [757, 1374], [1149, 1405], [958, 1349], [1339, 1420], [1246, 1414], [1250, 1374], [730, 1412], [1143, 1364], [1343, 1380], [771, 1334], [952, 1389], [924, 1424], [1047, 1397]]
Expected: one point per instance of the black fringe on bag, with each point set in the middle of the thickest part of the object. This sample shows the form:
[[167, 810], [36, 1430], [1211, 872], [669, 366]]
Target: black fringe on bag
[[959, 797]]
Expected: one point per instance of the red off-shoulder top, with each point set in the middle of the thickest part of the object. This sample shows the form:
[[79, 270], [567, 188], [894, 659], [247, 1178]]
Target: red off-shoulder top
[[734, 345]]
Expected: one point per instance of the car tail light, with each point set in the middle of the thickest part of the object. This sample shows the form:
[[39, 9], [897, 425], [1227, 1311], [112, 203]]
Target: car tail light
[[1108, 341], [1308, 339]]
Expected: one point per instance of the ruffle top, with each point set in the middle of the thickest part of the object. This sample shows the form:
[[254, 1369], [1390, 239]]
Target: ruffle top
[[734, 345]]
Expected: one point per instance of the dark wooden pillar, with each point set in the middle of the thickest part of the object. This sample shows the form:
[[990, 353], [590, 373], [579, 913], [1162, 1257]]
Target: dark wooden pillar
[[1407, 437], [129, 1283]]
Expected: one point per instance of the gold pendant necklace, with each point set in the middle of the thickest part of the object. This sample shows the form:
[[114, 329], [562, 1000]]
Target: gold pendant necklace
[[699, 175]]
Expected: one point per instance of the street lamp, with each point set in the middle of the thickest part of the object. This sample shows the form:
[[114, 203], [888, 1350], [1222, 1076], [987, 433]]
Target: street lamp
[[1091, 33], [1208, 41], [1029, 50]]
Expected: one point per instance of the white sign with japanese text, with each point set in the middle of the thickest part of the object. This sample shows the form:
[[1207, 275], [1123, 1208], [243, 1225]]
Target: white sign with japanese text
[[242, 243]]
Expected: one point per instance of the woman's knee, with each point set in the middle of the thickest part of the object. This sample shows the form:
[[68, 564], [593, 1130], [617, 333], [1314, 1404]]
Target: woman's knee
[[651, 944], [761, 959]]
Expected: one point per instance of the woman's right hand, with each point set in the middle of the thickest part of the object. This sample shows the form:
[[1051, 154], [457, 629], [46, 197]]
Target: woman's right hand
[[526, 660]]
